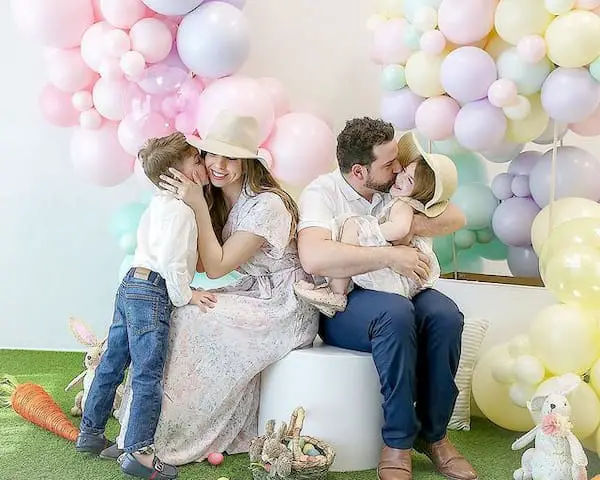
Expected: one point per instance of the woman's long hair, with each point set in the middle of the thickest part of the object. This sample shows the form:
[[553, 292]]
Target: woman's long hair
[[257, 179]]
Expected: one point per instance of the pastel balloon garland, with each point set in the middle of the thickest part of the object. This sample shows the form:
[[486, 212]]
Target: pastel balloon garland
[[122, 71]]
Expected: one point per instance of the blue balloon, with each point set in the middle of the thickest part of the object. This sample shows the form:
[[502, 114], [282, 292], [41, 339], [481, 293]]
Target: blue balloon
[[127, 219]]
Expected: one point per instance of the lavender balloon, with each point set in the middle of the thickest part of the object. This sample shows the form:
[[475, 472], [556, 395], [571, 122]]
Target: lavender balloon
[[480, 126], [520, 186], [467, 74], [400, 108], [512, 221], [170, 7], [523, 262], [570, 95], [524, 163], [504, 152], [502, 186], [577, 174], [547, 137]]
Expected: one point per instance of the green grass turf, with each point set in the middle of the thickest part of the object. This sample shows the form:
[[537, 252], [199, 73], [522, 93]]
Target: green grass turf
[[29, 453]]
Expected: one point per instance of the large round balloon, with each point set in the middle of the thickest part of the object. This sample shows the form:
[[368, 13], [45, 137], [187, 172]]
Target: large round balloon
[[516, 19], [573, 39], [467, 74], [480, 126], [214, 40], [512, 221], [570, 94], [400, 108], [477, 202], [563, 210], [577, 172], [523, 262], [465, 22]]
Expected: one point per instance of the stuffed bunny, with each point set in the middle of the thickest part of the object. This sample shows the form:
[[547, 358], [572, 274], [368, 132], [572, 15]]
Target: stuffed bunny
[[557, 455], [85, 336]]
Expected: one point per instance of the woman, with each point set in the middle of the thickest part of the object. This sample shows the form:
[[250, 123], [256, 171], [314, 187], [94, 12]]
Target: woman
[[215, 356]]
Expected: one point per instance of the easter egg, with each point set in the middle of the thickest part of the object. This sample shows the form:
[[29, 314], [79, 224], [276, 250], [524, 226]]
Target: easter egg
[[222, 478], [215, 458], [307, 448]]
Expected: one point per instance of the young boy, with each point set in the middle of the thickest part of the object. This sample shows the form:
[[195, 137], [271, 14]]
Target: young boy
[[162, 271]]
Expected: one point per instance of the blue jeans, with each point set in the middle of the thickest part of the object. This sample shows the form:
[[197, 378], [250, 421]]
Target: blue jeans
[[138, 335], [416, 349]]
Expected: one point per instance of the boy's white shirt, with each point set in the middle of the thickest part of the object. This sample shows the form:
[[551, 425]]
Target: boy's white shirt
[[167, 242]]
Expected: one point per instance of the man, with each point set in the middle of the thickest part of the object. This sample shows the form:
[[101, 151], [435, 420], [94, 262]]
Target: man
[[415, 343]]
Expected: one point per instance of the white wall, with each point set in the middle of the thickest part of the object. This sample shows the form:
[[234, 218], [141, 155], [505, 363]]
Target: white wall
[[56, 254]]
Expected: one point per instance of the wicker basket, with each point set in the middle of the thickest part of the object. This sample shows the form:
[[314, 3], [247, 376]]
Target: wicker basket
[[304, 467]]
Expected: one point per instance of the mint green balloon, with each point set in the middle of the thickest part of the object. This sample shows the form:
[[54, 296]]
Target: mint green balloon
[[411, 7], [595, 69], [477, 202], [449, 147], [467, 261], [127, 219], [443, 248], [464, 239], [494, 250], [528, 77], [485, 235], [202, 281], [412, 38], [470, 168], [393, 78]]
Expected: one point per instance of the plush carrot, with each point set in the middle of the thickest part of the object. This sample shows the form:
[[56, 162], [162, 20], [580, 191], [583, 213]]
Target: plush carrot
[[35, 404]]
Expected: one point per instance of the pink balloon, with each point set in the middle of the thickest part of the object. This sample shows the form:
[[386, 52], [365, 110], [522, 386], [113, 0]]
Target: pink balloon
[[134, 130], [82, 100], [67, 71], [240, 94], [185, 122], [57, 108], [435, 117], [389, 44], [302, 146], [92, 45], [587, 4], [116, 43], [110, 69], [98, 157], [279, 97], [465, 22], [152, 38], [90, 119], [433, 42], [590, 127], [532, 48], [316, 110], [123, 13], [54, 23], [111, 98], [502, 93]]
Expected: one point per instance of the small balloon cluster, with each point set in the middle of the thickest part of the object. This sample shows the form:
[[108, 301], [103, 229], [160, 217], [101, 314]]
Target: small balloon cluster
[[488, 73], [122, 71]]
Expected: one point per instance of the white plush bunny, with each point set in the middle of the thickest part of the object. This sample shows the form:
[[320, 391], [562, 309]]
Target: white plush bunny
[[84, 335], [557, 455]]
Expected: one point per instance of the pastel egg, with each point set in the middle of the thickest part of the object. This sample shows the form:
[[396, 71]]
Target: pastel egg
[[215, 458]]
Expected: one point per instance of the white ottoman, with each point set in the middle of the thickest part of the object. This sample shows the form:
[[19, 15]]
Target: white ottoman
[[340, 392]]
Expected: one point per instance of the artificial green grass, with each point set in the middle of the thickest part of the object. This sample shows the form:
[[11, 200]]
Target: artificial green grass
[[29, 453]]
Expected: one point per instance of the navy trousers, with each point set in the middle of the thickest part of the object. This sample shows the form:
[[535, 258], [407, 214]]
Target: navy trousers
[[416, 349]]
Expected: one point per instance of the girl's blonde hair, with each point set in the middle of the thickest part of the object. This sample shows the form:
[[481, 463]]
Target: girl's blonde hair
[[258, 180], [424, 187]]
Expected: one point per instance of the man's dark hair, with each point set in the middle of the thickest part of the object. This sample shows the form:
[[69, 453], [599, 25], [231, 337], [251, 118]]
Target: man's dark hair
[[356, 141]]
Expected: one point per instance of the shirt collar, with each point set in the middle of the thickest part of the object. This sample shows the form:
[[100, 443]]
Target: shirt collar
[[352, 195]]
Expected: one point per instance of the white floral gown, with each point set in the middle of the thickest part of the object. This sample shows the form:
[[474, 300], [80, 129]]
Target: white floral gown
[[211, 380]]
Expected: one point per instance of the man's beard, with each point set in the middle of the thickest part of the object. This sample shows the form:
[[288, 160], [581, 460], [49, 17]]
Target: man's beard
[[378, 187]]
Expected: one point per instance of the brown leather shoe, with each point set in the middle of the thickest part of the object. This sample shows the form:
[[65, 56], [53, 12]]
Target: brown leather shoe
[[395, 464], [446, 459]]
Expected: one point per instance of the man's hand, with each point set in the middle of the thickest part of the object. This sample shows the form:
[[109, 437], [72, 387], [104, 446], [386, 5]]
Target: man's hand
[[203, 300], [409, 262]]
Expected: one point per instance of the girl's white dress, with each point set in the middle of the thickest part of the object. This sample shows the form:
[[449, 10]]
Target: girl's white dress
[[214, 360], [369, 235]]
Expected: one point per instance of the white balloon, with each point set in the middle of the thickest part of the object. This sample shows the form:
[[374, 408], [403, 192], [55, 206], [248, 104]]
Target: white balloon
[[520, 110], [529, 370], [519, 345], [521, 393], [172, 7]]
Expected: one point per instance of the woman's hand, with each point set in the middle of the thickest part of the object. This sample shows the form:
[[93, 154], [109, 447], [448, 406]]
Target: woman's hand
[[190, 191], [203, 299]]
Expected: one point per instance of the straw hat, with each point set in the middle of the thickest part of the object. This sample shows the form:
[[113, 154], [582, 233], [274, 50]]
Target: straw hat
[[232, 136], [446, 176]]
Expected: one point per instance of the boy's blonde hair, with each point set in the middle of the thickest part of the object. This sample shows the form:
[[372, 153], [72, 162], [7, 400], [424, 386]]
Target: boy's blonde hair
[[160, 154]]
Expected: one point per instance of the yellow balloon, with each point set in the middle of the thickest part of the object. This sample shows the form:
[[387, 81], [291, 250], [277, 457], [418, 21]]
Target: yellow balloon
[[579, 231], [589, 443], [573, 276], [565, 338], [573, 39], [516, 19], [422, 73], [563, 210], [595, 377], [493, 399], [532, 126], [496, 46], [585, 409], [390, 8]]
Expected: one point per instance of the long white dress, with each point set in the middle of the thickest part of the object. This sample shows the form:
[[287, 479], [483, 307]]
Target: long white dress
[[211, 380]]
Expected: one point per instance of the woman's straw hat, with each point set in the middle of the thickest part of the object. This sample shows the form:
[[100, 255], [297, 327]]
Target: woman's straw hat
[[231, 136], [446, 176]]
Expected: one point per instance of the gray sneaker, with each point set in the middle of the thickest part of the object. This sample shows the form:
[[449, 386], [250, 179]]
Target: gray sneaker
[[160, 471], [92, 443], [111, 453]]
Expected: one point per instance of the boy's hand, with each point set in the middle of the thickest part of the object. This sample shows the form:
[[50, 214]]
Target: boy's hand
[[203, 300]]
